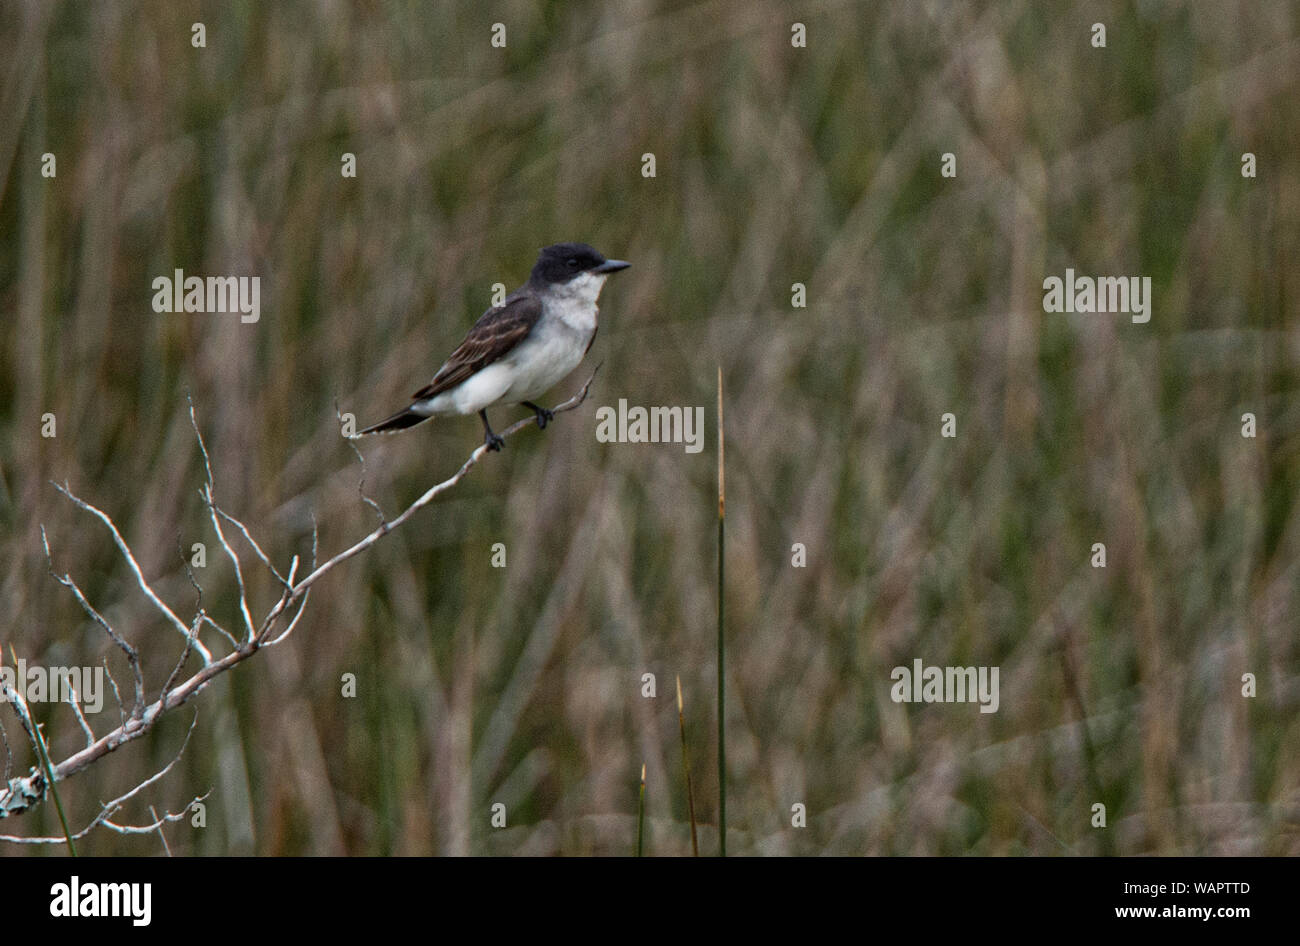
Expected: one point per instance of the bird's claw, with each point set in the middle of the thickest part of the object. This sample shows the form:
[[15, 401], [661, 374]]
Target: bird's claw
[[544, 417], [494, 442]]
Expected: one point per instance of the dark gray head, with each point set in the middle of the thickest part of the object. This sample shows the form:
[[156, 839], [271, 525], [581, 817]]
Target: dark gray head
[[567, 261]]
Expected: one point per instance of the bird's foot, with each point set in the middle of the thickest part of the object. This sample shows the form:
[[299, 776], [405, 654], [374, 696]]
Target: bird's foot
[[493, 442], [544, 416]]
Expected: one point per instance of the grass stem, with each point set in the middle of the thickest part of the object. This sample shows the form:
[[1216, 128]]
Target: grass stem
[[640, 817], [686, 766], [722, 696]]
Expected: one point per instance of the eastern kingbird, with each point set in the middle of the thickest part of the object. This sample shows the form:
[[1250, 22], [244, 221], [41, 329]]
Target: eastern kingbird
[[521, 348]]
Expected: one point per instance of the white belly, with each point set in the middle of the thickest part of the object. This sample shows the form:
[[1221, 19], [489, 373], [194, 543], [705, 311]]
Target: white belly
[[471, 395], [543, 361], [534, 367]]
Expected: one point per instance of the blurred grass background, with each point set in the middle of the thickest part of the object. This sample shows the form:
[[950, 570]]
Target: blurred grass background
[[775, 165]]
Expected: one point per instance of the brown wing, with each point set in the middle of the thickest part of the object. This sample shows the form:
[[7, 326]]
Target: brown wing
[[498, 331]]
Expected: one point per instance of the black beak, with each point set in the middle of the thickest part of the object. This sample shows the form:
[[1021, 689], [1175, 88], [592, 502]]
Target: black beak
[[611, 266]]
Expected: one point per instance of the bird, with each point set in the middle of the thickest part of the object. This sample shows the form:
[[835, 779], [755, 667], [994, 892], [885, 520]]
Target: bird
[[519, 349]]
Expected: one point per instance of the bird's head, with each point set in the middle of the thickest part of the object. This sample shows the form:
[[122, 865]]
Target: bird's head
[[565, 263]]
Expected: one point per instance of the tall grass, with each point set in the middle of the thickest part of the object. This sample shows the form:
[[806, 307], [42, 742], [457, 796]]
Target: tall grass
[[775, 165]]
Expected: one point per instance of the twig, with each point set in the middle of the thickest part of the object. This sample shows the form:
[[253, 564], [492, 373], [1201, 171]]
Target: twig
[[199, 613], [81, 719], [125, 549], [210, 501], [117, 694], [361, 483], [132, 657], [234, 560], [189, 645]]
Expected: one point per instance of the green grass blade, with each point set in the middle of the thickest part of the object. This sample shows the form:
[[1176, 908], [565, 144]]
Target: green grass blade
[[686, 767], [640, 817]]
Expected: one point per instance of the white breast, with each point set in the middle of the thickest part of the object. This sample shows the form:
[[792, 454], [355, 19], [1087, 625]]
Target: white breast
[[554, 349], [576, 300]]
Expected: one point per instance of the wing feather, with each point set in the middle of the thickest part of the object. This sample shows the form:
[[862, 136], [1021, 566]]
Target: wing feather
[[496, 332]]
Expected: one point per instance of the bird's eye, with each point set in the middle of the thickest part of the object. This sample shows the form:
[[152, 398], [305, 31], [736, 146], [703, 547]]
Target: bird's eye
[[573, 262]]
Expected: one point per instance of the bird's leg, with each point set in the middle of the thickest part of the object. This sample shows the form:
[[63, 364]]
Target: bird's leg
[[493, 441], [543, 415]]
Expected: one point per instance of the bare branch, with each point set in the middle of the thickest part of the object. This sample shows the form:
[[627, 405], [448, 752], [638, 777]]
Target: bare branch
[[257, 549], [198, 604], [117, 694], [132, 657], [361, 483], [207, 461], [234, 560], [302, 605], [81, 720], [20, 794], [207, 619], [189, 573], [189, 645], [429, 496], [243, 530], [108, 809], [122, 547], [210, 501], [156, 825]]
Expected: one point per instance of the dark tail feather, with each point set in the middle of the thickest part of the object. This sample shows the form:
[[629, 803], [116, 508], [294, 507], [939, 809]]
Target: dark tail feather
[[399, 421]]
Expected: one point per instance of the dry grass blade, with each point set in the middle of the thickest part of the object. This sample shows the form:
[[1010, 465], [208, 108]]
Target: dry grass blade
[[722, 690]]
